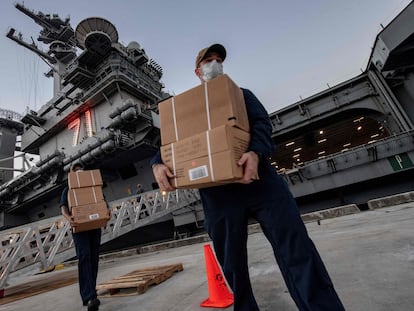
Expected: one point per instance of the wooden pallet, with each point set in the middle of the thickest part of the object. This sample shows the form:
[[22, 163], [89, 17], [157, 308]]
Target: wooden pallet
[[137, 282]]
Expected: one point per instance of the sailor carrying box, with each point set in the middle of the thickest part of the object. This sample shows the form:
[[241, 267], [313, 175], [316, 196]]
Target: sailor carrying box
[[86, 200]]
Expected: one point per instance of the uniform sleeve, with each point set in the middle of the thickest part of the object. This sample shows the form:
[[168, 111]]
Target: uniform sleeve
[[260, 127], [64, 197], [156, 159]]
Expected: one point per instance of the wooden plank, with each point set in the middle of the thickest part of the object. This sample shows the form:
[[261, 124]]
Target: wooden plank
[[137, 281], [46, 282]]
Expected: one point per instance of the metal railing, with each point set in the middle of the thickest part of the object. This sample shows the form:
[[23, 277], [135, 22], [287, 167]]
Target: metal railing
[[30, 248]]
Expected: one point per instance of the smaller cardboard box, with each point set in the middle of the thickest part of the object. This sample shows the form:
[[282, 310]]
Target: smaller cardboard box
[[207, 159], [85, 196], [88, 178], [90, 217], [214, 103]]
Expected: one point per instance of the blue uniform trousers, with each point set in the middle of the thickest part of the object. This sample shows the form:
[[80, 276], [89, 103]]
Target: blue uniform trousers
[[227, 209], [87, 250]]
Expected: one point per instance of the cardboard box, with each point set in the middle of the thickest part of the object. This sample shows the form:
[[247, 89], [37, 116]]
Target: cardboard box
[[90, 217], [85, 196], [217, 102], [207, 159], [86, 178]]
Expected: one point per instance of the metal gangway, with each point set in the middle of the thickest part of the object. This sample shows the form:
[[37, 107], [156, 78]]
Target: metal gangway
[[31, 248]]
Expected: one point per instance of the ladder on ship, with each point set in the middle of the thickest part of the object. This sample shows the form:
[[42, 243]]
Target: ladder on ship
[[28, 249]]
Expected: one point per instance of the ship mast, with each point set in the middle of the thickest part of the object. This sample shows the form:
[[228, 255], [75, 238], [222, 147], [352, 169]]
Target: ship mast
[[58, 34]]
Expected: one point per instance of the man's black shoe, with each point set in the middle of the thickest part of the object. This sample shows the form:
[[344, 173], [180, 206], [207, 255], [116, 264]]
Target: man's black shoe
[[93, 304], [86, 302]]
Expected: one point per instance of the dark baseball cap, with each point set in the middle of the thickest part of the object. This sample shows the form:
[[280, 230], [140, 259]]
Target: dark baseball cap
[[76, 165], [218, 48]]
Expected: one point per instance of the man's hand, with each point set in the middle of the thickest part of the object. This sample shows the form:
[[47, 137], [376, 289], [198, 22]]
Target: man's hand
[[68, 215], [250, 162], [162, 173], [73, 224], [71, 221]]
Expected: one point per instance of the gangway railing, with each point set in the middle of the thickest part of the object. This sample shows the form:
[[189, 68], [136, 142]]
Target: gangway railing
[[36, 246]]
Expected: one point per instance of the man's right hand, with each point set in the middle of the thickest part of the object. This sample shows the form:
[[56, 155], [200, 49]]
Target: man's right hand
[[162, 174], [73, 224], [72, 221]]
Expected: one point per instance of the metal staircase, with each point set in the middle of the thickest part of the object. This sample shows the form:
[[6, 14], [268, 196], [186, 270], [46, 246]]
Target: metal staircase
[[33, 247]]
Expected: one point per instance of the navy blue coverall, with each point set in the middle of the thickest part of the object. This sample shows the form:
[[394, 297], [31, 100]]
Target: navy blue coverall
[[269, 201], [87, 250]]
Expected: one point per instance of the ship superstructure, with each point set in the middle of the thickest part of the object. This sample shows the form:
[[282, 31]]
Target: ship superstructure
[[11, 128], [104, 114], [101, 114], [354, 141]]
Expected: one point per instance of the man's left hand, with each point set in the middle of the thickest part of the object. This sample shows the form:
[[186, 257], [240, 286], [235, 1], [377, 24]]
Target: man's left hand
[[250, 163]]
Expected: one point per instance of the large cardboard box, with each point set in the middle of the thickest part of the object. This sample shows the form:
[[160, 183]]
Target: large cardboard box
[[85, 196], [207, 159], [90, 217], [88, 178], [216, 102]]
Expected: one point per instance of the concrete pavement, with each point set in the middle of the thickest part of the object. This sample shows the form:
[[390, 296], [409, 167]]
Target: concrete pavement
[[369, 255]]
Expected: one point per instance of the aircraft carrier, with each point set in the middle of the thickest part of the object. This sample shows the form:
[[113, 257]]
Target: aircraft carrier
[[348, 144]]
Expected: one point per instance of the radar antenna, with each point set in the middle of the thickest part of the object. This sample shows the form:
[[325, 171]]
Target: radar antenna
[[96, 34]]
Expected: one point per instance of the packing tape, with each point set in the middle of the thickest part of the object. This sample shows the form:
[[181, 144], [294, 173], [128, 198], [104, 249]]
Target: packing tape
[[94, 194], [174, 118], [75, 197], [174, 167], [207, 112], [207, 106], [93, 178], [210, 160], [77, 178]]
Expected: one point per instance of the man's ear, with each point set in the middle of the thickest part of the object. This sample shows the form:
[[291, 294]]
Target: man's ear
[[197, 71]]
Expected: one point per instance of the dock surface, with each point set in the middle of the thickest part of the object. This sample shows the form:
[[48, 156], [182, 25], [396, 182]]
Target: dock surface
[[369, 255]]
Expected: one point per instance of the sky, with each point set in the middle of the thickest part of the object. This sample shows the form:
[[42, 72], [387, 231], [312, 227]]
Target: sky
[[281, 50]]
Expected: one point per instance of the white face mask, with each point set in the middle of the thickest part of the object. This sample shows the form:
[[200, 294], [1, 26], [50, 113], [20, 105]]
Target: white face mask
[[211, 70]]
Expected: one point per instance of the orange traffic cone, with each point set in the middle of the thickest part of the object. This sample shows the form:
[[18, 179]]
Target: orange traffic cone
[[219, 295]]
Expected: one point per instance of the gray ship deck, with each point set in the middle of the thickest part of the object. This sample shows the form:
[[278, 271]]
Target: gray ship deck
[[369, 255]]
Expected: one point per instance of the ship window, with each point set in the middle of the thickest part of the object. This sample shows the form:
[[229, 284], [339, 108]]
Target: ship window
[[127, 171], [337, 136]]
